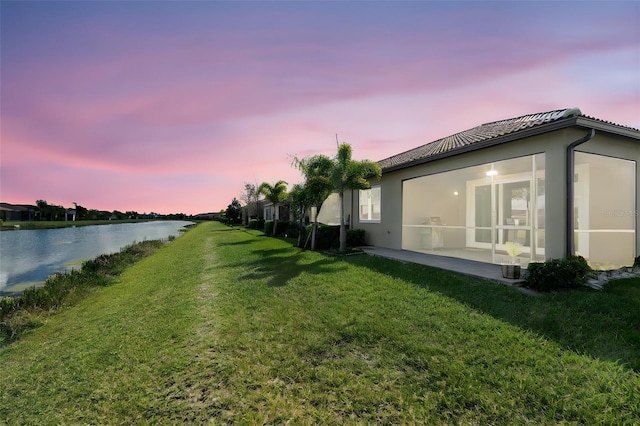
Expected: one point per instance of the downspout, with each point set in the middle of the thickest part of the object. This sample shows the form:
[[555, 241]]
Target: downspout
[[571, 169]]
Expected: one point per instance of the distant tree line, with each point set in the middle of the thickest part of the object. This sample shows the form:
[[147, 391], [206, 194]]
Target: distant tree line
[[54, 212]]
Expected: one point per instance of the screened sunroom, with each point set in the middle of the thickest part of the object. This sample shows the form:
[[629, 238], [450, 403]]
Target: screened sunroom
[[473, 212], [550, 184]]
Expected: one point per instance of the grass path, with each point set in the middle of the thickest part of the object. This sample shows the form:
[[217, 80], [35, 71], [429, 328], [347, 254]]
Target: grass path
[[225, 326]]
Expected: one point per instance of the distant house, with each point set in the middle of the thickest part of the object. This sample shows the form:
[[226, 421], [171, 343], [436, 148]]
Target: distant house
[[70, 215], [557, 182], [17, 212], [269, 211], [253, 211], [204, 216]]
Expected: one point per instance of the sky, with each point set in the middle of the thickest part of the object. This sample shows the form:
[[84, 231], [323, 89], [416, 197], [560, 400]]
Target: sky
[[171, 107]]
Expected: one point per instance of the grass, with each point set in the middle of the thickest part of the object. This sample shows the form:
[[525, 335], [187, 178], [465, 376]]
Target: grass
[[226, 326]]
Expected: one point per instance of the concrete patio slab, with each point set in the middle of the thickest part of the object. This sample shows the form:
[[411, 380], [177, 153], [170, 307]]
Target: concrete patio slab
[[483, 270]]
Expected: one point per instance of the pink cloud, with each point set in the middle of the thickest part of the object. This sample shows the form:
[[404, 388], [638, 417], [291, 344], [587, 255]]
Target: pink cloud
[[182, 108]]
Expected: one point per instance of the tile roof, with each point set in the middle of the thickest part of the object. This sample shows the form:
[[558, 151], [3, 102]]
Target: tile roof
[[16, 207], [485, 132]]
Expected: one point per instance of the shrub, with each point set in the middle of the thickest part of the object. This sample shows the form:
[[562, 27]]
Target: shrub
[[568, 272], [304, 234], [268, 227], [327, 237], [355, 237], [20, 322], [20, 313], [256, 224], [283, 228], [7, 304], [293, 230]]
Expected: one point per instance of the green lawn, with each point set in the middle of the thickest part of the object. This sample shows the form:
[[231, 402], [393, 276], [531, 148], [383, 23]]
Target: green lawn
[[225, 326]]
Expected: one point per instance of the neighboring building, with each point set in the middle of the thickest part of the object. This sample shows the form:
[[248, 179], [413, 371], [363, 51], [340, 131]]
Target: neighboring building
[[17, 212], [253, 211], [269, 212], [71, 215], [204, 216], [468, 194]]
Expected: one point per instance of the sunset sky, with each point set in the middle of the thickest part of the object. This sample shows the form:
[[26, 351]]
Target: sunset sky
[[172, 106]]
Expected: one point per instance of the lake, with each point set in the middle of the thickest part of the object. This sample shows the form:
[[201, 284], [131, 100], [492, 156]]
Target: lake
[[28, 257]]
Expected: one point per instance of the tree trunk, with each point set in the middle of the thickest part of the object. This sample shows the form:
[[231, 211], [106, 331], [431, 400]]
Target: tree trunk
[[313, 235], [343, 230], [301, 226], [275, 219]]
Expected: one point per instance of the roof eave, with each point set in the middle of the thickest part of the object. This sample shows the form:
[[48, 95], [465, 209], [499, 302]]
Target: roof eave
[[525, 133], [611, 128]]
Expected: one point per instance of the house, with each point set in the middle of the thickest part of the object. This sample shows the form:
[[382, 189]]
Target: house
[[17, 212], [253, 210], [558, 183], [70, 215], [283, 212]]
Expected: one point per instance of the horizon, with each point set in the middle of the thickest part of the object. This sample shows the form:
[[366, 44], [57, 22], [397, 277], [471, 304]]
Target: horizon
[[172, 107], [143, 213]]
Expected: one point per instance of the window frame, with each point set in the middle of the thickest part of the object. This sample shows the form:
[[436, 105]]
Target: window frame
[[370, 205]]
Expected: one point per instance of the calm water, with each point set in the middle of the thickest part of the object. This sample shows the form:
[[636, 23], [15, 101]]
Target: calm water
[[28, 257]]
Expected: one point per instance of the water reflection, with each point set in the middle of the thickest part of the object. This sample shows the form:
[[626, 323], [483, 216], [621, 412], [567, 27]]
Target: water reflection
[[28, 257]]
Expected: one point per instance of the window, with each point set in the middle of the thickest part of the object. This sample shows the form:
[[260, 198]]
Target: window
[[370, 205], [268, 213]]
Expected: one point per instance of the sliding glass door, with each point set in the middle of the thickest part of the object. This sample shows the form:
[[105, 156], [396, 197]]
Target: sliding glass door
[[506, 210]]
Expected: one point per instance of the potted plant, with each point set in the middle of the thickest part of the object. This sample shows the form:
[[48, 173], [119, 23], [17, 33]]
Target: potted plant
[[511, 269]]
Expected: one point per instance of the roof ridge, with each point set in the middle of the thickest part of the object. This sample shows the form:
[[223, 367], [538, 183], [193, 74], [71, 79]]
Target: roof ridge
[[566, 112]]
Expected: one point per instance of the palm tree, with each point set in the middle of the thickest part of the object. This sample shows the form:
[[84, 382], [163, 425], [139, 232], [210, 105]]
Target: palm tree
[[317, 171], [350, 174], [299, 201], [276, 194]]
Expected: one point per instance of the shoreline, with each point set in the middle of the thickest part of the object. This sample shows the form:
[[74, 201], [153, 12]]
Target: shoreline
[[55, 224], [16, 289]]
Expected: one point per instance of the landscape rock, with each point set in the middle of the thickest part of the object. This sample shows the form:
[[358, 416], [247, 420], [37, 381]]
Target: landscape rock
[[602, 277]]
